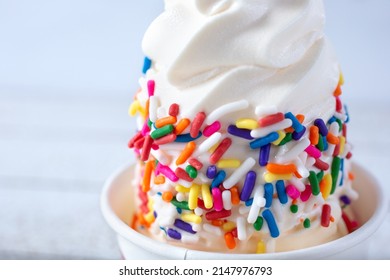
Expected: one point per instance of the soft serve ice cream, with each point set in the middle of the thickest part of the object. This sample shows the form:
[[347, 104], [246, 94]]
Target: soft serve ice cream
[[241, 131]]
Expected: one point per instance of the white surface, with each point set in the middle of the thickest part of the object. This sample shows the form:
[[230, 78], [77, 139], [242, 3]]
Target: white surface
[[68, 70]]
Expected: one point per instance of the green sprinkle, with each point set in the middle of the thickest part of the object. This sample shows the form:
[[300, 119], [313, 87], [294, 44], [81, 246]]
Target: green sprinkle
[[294, 208], [180, 204], [161, 132], [259, 223], [320, 175], [315, 187], [340, 124], [335, 169], [306, 223], [150, 123], [320, 144], [192, 172], [286, 139]]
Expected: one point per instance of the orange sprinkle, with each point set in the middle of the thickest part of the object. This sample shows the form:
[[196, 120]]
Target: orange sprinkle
[[147, 108], [167, 196], [165, 121], [158, 180], [217, 223], [296, 173], [182, 125], [235, 196], [186, 153], [134, 220], [281, 169], [295, 201], [142, 220], [229, 240], [351, 176], [314, 135], [338, 91], [332, 219], [332, 139], [147, 176]]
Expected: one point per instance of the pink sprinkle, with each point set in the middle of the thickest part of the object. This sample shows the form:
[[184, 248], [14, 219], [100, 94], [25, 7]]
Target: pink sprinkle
[[155, 147], [145, 129], [146, 148], [167, 172], [196, 124], [166, 139], [217, 197], [305, 195], [182, 174], [313, 151], [151, 86], [211, 129], [174, 110], [292, 191], [195, 163]]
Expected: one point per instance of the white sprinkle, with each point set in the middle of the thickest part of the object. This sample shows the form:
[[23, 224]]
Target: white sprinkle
[[212, 229], [239, 173], [294, 152], [258, 203], [226, 109], [310, 162], [198, 211], [184, 183], [161, 157], [342, 117], [302, 170], [153, 107], [180, 197], [264, 131], [189, 239], [241, 228], [207, 144], [262, 111], [227, 199], [196, 227], [297, 183], [253, 213]]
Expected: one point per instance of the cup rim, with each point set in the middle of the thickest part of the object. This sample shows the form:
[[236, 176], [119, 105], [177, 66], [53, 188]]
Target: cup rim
[[171, 251]]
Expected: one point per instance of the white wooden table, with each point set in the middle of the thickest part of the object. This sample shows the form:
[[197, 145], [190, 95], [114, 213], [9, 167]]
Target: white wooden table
[[56, 150]]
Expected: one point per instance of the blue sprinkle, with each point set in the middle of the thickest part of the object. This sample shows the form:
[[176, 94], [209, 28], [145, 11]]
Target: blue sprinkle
[[281, 190], [163, 229], [185, 138], [147, 64], [240, 132], [179, 210], [326, 145], [272, 226], [295, 123], [211, 172], [268, 194], [264, 155], [174, 234], [249, 202], [342, 171], [159, 193], [260, 142], [346, 113], [249, 184], [155, 214], [298, 135], [218, 179], [332, 120]]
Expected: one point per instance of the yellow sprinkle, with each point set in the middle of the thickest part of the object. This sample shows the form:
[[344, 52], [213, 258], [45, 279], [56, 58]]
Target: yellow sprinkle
[[228, 226], [228, 163], [206, 195], [193, 196], [191, 218], [134, 108], [180, 188], [270, 177], [213, 148], [341, 80], [149, 217], [342, 144], [282, 134], [247, 123], [326, 185], [150, 204], [261, 248]]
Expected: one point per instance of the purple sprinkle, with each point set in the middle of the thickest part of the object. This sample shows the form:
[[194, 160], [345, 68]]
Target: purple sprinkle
[[184, 226], [264, 155], [174, 234], [211, 172], [321, 127], [239, 132], [155, 214], [298, 135], [249, 184], [345, 199]]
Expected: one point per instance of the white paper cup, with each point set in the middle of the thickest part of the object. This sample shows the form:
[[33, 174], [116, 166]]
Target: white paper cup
[[118, 208]]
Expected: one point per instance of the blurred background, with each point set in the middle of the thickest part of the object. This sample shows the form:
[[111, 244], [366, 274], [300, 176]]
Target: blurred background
[[68, 71]]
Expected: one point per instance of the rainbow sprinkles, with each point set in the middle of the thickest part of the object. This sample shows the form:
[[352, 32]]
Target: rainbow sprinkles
[[191, 191]]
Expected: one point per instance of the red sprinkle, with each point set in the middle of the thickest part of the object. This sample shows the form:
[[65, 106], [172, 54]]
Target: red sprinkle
[[195, 163], [336, 151], [234, 232], [349, 155], [174, 110], [182, 174], [321, 164], [325, 216], [213, 215], [166, 139], [146, 148], [197, 124], [344, 131], [220, 150], [139, 143], [351, 225], [339, 105], [305, 195], [134, 139], [271, 119]]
